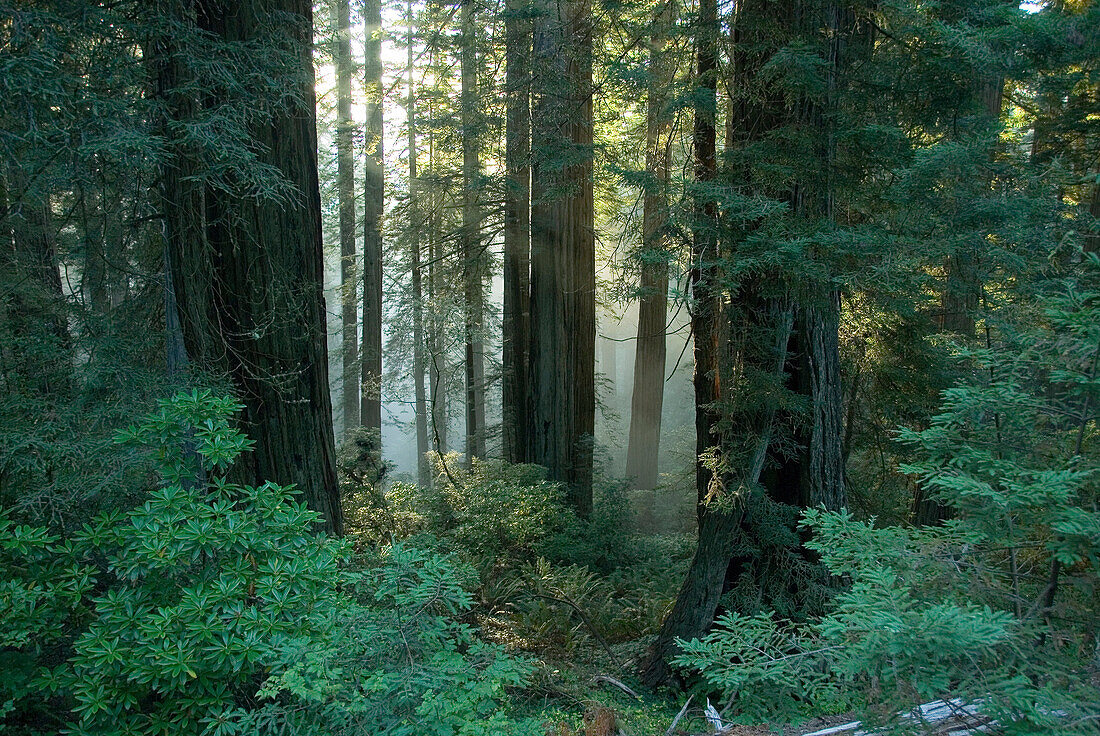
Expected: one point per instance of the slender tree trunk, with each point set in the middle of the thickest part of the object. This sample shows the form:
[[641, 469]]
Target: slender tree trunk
[[697, 600], [471, 240], [517, 231], [423, 474], [647, 399], [181, 199], [95, 287], [563, 308], [373, 203], [175, 352], [345, 185], [438, 370], [237, 260]]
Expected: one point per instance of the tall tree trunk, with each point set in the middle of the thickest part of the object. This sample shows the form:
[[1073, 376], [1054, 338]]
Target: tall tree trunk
[[181, 200], [563, 308], [373, 204], [345, 185], [423, 474], [94, 235], [772, 339], [438, 370], [697, 600], [517, 231], [471, 240], [647, 399], [238, 260]]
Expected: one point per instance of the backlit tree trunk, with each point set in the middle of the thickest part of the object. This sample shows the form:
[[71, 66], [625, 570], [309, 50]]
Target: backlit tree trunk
[[471, 240], [345, 185], [373, 203], [437, 355], [517, 232], [647, 399], [563, 310], [423, 474]]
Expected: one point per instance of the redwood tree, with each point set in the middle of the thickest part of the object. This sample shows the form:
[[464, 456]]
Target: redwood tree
[[345, 186], [517, 230], [247, 269], [373, 203], [561, 413], [647, 399]]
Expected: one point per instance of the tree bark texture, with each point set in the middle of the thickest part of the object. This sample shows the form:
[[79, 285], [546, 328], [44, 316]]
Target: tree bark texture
[[647, 398], [563, 310], [472, 258], [423, 472], [345, 186], [517, 231], [248, 271], [373, 203], [697, 600]]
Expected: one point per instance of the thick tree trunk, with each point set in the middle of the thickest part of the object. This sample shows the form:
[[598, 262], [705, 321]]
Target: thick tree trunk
[[373, 204], [775, 344], [423, 473], [248, 276], [345, 185], [647, 398], [472, 275], [517, 231], [563, 309]]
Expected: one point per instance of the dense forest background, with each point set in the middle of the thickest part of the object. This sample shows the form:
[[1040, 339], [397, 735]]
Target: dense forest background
[[548, 366]]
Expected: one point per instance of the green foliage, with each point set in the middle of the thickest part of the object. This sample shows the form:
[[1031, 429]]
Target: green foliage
[[428, 672], [987, 607], [171, 613], [215, 608], [368, 518], [492, 514]]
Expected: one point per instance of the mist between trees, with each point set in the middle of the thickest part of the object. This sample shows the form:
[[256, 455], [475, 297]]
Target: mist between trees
[[548, 366]]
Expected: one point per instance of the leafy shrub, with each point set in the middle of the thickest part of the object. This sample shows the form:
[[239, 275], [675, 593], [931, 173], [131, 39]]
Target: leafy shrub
[[362, 470], [169, 614], [214, 608], [494, 513], [398, 660]]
